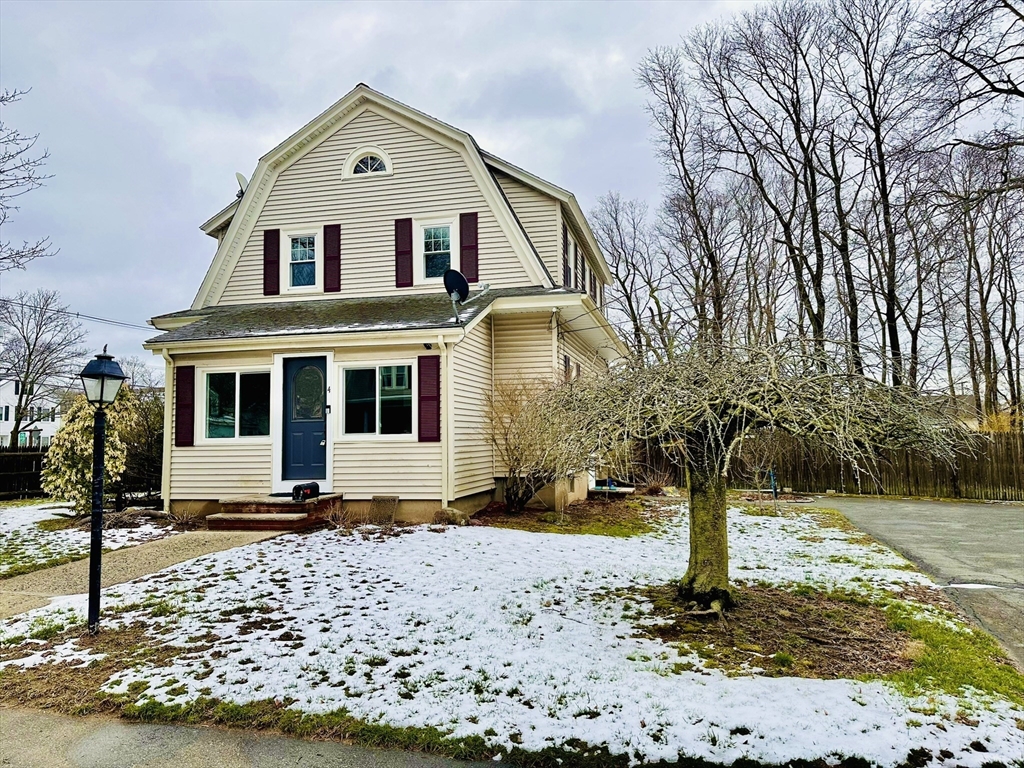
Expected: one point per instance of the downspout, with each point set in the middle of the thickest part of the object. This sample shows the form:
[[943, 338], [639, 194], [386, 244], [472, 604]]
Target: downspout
[[446, 436], [554, 344], [169, 393]]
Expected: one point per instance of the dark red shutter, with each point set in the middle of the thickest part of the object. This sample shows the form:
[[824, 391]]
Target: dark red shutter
[[271, 262], [469, 261], [332, 258], [184, 405], [429, 382], [566, 271], [403, 253]]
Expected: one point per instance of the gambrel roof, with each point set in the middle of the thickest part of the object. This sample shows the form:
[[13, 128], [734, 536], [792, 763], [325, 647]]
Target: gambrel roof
[[234, 223]]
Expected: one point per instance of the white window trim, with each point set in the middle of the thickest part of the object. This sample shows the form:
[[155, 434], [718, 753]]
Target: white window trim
[[358, 154], [317, 233], [412, 437], [200, 427], [418, 266]]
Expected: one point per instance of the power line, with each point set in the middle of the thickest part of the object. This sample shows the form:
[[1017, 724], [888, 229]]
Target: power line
[[80, 315]]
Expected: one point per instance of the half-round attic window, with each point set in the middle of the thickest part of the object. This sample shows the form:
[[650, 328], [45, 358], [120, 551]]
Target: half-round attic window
[[368, 161], [369, 164]]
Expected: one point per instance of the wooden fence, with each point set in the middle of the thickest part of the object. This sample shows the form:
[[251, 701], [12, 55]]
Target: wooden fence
[[20, 472], [996, 472]]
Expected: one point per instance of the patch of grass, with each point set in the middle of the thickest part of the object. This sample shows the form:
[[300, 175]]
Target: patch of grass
[[72, 688], [59, 523], [596, 517], [15, 567], [951, 660], [806, 632], [26, 502]]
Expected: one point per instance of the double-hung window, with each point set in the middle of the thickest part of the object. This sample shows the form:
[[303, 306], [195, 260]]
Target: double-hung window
[[302, 261], [437, 250], [237, 404], [378, 400]]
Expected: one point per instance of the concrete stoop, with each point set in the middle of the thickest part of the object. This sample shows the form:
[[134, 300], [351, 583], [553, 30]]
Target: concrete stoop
[[272, 513]]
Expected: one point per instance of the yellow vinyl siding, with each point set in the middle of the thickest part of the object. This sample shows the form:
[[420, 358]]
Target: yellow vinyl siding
[[429, 180], [474, 470], [409, 470], [211, 470], [522, 346], [539, 215], [364, 467], [581, 352]]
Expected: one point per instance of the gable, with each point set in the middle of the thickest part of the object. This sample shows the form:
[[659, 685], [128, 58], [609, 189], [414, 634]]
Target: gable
[[434, 174]]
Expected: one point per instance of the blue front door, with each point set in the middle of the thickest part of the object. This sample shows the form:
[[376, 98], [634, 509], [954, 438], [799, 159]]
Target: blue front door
[[305, 418]]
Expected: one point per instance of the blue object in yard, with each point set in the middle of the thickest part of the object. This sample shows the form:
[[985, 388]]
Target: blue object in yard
[[775, 489]]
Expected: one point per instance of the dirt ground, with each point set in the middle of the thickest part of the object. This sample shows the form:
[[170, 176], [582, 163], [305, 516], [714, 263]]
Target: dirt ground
[[787, 633], [628, 516]]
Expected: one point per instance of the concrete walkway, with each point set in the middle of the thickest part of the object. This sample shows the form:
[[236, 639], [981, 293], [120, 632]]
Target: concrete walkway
[[966, 543], [32, 738], [34, 590]]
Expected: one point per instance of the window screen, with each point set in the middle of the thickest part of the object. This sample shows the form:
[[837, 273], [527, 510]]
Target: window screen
[[396, 400], [253, 404], [360, 401]]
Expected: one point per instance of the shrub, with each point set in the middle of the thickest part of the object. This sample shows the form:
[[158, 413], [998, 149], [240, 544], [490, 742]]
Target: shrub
[[67, 469]]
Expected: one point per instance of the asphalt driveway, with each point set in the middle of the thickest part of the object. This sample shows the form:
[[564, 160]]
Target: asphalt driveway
[[975, 548]]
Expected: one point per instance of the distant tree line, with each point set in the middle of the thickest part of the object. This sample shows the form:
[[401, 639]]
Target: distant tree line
[[846, 174]]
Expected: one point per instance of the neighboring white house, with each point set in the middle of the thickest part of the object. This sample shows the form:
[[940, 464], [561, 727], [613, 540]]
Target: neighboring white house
[[39, 425]]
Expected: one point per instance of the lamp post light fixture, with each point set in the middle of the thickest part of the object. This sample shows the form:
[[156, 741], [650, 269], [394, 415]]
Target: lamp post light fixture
[[101, 379]]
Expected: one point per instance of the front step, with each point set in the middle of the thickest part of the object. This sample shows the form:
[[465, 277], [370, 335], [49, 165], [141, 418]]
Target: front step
[[261, 521], [272, 513]]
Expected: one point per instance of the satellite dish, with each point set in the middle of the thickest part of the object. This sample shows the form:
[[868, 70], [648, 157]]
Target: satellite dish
[[456, 285], [242, 184]]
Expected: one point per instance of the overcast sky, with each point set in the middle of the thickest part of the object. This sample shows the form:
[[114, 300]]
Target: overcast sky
[[148, 109]]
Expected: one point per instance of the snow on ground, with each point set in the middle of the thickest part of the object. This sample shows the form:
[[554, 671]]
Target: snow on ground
[[512, 636], [23, 543]]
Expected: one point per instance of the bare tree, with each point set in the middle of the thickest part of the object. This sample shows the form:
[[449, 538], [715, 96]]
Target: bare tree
[[40, 348], [536, 436], [640, 300], [21, 171], [703, 404]]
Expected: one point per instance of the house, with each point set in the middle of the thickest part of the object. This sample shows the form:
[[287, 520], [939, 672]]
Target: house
[[39, 423], [322, 345]]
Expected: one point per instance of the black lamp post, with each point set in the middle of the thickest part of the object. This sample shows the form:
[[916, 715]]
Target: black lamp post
[[101, 379]]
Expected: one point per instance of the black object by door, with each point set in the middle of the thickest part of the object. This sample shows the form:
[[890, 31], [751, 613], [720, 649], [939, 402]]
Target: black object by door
[[305, 418]]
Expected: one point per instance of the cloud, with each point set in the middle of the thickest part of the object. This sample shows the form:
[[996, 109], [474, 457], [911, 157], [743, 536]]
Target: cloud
[[148, 109]]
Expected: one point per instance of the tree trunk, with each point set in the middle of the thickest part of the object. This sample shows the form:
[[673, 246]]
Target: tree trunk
[[707, 576]]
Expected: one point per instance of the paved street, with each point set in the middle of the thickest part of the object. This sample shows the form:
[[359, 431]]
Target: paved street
[[968, 543], [33, 738]]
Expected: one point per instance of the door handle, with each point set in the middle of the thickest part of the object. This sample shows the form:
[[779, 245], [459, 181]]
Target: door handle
[[323, 443]]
